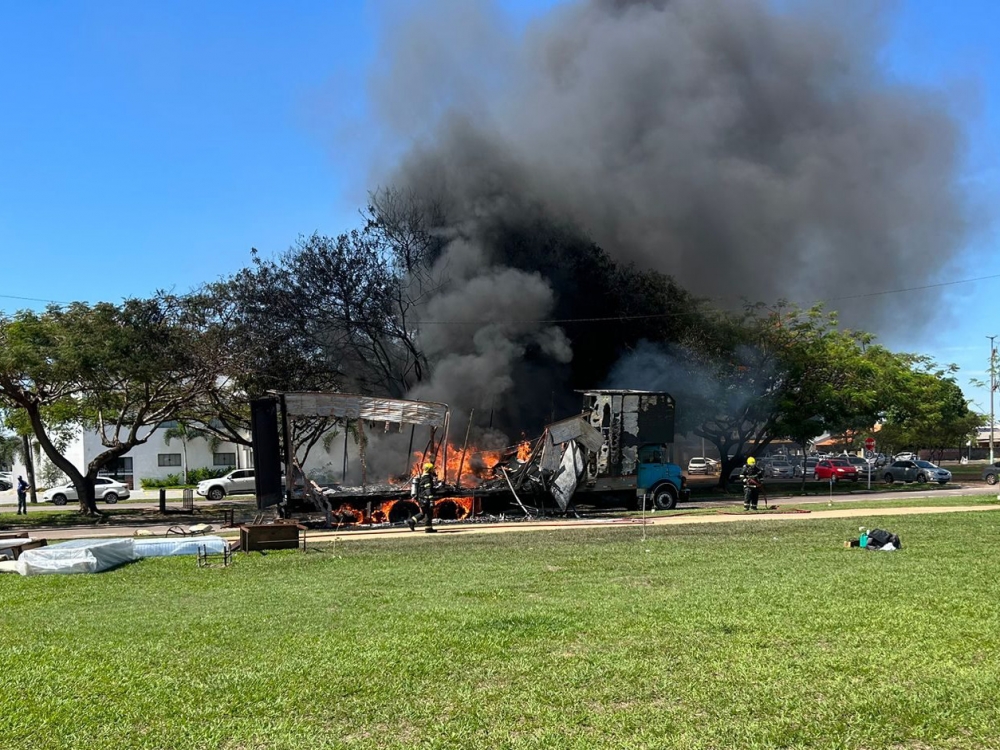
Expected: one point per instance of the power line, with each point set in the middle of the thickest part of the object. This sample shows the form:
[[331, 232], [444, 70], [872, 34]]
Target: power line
[[565, 321], [914, 288], [33, 299]]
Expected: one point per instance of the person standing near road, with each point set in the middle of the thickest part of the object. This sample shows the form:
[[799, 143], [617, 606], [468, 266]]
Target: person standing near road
[[422, 490], [753, 477], [22, 496]]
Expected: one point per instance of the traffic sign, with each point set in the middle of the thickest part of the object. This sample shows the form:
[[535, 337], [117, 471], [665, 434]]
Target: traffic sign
[[870, 444], [869, 455]]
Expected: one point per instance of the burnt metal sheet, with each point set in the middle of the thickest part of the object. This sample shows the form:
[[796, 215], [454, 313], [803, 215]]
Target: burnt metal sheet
[[551, 455], [575, 428], [349, 406]]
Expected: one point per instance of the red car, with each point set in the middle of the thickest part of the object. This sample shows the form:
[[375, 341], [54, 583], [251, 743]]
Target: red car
[[835, 468]]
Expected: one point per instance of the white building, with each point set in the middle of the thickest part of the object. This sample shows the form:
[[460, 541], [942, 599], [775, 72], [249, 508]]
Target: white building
[[154, 459]]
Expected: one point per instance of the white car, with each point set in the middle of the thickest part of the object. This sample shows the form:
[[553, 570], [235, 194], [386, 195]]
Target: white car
[[108, 490], [236, 482], [702, 465]]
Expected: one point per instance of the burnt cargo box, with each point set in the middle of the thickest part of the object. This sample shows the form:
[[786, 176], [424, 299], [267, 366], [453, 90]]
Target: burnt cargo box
[[626, 420]]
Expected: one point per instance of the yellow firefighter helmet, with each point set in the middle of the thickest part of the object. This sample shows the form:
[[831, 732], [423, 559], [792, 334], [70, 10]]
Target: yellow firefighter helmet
[[751, 461]]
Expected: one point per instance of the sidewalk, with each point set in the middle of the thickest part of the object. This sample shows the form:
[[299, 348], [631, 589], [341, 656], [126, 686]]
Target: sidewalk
[[460, 528]]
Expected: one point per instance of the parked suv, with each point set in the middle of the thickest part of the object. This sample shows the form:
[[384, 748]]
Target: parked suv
[[236, 482]]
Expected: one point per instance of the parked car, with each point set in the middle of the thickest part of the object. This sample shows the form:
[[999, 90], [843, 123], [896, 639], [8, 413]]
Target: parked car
[[865, 468], [835, 469], [811, 462], [106, 489], [915, 471], [6, 481], [236, 482], [702, 465], [929, 472], [780, 469], [991, 474]]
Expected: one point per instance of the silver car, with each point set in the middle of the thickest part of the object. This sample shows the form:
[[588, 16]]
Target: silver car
[[915, 471], [701, 465], [779, 469], [932, 473], [865, 468]]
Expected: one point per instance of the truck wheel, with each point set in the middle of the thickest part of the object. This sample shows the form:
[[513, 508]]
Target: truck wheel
[[665, 498]]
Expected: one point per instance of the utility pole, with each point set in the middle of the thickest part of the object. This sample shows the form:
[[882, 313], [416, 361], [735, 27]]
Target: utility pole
[[993, 387]]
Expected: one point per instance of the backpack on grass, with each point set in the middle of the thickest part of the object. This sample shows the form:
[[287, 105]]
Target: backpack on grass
[[878, 538]]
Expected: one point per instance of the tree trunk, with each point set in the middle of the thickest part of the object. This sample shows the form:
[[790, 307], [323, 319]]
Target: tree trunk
[[88, 498], [84, 484], [29, 467], [184, 458]]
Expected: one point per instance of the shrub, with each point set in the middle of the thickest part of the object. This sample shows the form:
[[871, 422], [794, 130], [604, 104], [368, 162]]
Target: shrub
[[203, 473], [152, 483]]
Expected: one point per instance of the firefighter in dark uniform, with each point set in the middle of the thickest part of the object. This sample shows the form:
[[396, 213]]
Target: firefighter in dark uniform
[[752, 476], [422, 490]]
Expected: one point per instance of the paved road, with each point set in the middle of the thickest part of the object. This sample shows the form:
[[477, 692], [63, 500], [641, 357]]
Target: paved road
[[965, 490], [149, 500], [139, 499]]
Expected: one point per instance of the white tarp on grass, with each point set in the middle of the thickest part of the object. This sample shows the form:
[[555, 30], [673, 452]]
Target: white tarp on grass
[[76, 556], [97, 555], [170, 546]]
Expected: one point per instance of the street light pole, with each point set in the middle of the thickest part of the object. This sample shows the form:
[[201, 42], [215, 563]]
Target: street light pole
[[993, 387]]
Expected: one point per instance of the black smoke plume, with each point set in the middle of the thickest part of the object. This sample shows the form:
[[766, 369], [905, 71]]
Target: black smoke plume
[[745, 148]]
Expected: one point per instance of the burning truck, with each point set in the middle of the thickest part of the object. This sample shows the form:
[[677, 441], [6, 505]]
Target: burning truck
[[615, 453]]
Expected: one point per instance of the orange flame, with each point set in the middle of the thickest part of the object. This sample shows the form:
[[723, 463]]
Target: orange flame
[[395, 511], [476, 465], [523, 451]]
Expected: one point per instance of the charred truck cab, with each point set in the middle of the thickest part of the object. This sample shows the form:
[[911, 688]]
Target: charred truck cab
[[633, 462]]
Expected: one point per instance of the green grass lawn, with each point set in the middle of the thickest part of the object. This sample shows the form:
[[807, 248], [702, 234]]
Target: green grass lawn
[[768, 634]]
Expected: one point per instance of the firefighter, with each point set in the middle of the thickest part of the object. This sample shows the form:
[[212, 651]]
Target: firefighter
[[422, 490], [752, 475]]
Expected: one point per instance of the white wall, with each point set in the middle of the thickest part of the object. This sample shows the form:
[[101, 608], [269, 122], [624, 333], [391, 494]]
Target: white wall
[[145, 457]]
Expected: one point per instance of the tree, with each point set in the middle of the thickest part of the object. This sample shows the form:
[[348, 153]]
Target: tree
[[185, 432], [765, 374], [118, 369], [10, 449], [930, 410]]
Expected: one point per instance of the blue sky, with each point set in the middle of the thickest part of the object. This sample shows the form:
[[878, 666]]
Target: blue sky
[[151, 145]]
